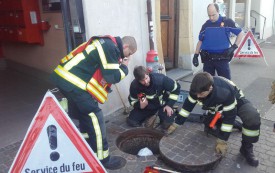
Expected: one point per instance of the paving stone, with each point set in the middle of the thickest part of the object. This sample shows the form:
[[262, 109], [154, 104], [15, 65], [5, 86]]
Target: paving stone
[[270, 170], [183, 150], [197, 144]]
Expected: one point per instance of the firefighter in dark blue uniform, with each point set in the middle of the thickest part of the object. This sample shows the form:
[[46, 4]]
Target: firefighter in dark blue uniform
[[150, 94], [214, 43], [84, 77], [220, 94]]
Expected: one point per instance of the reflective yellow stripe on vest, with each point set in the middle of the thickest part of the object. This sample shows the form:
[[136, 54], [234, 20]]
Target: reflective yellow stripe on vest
[[99, 87], [184, 113], [70, 77], [251, 133], [66, 58], [226, 127], [122, 74], [103, 59], [133, 100], [99, 142], [191, 99], [173, 97], [70, 55], [97, 91], [92, 87]]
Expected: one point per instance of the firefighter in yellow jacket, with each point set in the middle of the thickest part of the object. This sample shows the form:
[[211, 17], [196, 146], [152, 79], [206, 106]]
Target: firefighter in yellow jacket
[[85, 76]]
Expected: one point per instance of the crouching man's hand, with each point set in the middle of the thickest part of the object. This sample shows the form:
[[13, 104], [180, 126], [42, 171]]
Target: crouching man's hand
[[221, 147], [168, 110]]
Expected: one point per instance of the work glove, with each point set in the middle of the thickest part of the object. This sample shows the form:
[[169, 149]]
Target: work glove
[[230, 51], [171, 129], [196, 60], [180, 120], [221, 147]]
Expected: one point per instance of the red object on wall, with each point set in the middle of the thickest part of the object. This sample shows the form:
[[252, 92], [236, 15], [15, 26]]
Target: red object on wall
[[20, 21], [152, 56]]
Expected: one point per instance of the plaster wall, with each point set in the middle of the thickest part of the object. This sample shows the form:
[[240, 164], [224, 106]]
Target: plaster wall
[[119, 18], [199, 18]]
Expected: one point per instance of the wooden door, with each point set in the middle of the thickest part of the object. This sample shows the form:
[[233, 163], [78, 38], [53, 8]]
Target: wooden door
[[167, 15]]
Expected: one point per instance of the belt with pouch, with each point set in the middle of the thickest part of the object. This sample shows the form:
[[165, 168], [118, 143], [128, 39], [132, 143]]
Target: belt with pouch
[[206, 56]]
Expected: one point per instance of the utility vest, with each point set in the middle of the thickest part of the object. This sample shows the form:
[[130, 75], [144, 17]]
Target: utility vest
[[97, 86], [216, 38]]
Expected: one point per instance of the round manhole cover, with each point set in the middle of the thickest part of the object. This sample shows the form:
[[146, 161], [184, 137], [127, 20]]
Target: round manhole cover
[[190, 149], [132, 141]]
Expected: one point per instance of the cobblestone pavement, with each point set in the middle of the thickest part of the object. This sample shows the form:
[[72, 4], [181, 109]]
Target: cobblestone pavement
[[233, 161]]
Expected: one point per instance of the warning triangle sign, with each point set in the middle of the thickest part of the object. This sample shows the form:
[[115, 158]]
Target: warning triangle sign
[[54, 145], [249, 48]]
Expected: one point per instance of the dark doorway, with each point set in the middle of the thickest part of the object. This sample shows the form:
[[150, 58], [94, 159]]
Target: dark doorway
[[73, 19]]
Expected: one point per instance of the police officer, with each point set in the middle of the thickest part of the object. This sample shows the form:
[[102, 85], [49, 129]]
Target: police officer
[[214, 42], [152, 93], [85, 76], [220, 94]]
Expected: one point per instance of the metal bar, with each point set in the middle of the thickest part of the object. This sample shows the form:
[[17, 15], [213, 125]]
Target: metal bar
[[253, 11], [66, 21], [150, 24]]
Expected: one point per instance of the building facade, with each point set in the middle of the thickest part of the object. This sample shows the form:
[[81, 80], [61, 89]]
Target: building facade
[[174, 31]]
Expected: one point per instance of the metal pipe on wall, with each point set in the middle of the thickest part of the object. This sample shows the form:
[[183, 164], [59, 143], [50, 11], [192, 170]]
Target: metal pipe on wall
[[67, 24]]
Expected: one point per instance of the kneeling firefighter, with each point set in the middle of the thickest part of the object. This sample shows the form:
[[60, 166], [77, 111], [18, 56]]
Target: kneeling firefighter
[[153, 94], [220, 94]]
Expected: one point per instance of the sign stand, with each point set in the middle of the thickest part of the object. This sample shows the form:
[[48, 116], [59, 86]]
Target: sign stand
[[54, 145], [249, 48]]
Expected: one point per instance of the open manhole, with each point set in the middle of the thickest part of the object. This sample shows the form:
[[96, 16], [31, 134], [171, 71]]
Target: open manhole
[[134, 140]]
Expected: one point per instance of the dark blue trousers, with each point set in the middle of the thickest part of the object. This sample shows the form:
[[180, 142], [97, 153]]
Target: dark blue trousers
[[219, 66]]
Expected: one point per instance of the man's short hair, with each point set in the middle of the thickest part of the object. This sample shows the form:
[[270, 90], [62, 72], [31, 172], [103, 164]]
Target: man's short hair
[[215, 5], [140, 72], [201, 82], [131, 41]]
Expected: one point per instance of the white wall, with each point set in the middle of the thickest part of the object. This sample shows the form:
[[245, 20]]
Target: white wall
[[119, 18], [199, 17], [267, 11], [265, 8]]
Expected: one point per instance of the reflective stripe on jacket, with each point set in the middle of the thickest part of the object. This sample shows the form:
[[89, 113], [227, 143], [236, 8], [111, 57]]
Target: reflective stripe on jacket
[[82, 69]]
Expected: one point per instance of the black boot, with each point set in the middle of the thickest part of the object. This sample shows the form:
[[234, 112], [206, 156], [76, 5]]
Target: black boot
[[215, 131], [115, 162], [132, 123], [247, 151]]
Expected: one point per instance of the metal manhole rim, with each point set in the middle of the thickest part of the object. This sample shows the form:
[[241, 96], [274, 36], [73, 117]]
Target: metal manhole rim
[[127, 135]]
